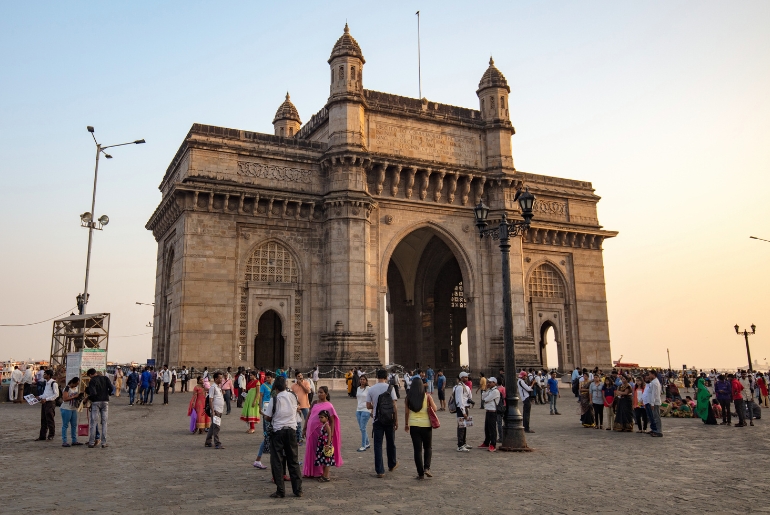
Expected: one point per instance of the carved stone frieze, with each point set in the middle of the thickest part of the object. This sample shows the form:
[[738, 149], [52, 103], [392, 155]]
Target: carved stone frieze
[[275, 172]]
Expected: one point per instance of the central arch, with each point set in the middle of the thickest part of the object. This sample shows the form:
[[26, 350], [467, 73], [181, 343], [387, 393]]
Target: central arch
[[428, 289], [269, 341]]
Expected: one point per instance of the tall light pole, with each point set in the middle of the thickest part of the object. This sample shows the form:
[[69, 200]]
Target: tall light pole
[[746, 335], [513, 431], [87, 218]]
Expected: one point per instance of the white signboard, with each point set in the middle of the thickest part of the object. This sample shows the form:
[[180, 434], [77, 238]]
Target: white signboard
[[78, 363]]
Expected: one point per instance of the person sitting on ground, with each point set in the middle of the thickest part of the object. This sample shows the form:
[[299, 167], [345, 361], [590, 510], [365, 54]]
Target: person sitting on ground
[[717, 408]]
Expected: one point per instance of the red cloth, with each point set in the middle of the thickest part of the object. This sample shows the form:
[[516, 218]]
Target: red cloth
[[737, 389], [762, 386]]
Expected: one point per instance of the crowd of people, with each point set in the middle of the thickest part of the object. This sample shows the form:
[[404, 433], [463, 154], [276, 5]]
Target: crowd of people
[[294, 411]]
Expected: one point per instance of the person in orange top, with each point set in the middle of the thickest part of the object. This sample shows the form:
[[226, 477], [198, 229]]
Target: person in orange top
[[301, 389]]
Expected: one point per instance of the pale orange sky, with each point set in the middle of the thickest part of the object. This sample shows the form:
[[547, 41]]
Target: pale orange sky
[[663, 106]]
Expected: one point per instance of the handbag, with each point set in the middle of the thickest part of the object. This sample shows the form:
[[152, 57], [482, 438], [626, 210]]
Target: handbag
[[82, 429], [328, 451], [434, 421]]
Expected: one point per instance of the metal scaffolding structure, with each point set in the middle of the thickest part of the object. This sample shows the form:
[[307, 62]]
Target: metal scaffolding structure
[[77, 332]]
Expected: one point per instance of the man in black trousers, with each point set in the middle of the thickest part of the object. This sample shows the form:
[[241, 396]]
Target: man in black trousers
[[48, 407]]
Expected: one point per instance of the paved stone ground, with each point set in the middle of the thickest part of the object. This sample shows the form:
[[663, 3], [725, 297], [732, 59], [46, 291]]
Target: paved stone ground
[[155, 465]]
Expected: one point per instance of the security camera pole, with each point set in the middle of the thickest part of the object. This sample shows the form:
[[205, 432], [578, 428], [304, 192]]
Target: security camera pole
[[87, 219]]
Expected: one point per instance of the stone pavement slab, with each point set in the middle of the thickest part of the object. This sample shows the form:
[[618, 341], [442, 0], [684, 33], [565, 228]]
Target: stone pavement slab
[[154, 465]]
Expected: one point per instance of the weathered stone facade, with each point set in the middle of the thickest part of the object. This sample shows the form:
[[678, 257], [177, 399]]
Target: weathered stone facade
[[299, 248]]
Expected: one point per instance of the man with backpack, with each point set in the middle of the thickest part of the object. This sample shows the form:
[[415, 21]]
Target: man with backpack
[[98, 390], [458, 404], [381, 399]]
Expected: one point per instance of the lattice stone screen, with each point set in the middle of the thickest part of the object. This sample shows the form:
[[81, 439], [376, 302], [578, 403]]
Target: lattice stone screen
[[546, 282], [271, 262]]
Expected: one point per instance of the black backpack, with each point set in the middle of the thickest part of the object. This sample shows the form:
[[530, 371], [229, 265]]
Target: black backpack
[[500, 406], [207, 407], [386, 409]]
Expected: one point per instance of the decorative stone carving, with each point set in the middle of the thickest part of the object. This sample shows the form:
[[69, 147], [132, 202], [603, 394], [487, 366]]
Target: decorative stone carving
[[550, 207], [424, 183], [380, 178], [410, 182], [439, 186], [278, 173], [466, 189], [452, 188], [388, 219], [396, 180]]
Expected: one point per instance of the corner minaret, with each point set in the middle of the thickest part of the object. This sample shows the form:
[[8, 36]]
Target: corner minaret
[[286, 121], [493, 103], [346, 94]]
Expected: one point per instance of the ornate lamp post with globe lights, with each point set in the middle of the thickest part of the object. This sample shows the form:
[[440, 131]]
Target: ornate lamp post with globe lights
[[513, 432], [87, 218], [746, 335]]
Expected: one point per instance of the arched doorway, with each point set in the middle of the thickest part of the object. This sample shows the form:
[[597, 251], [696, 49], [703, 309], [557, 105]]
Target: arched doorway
[[548, 345], [550, 315], [269, 341], [427, 303]]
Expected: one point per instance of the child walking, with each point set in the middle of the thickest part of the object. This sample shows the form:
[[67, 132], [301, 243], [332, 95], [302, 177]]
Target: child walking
[[324, 451]]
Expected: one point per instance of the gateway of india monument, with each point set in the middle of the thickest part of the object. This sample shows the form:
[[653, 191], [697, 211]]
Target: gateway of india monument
[[351, 240]]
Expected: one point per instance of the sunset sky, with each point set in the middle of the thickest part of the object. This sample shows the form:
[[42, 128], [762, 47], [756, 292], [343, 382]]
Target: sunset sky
[[663, 106]]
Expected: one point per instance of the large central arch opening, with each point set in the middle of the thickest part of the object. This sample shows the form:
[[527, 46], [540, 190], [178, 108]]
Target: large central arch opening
[[427, 303]]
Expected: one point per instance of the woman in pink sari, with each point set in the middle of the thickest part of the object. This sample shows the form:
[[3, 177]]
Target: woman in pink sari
[[312, 430]]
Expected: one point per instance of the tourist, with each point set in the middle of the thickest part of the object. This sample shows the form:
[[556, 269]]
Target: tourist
[[98, 391], [429, 375], [184, 376], [362, 412], [205, 374], [197, 406], [173, 381], [624, 414], [540, 387], [462, 396], [349, 382], [217, 406], [490, 400], [597, 401], [482, 388], [250, 410], [158, 378], [575, 380], [500, 378], [717, 407], [301, 389], [324, 450], [71, 399], [724, 392], [132, 381], [761, 383], [652, 403], [748, 396], [609, 401], [27, 380], [48, 407], [586, 401], [16, 387], [315, 377], [385, 422], [265, 392], [640, 413], [407, 381], [118, 380], [312, 432], [553, 393], [283, 441], [153, 385], [165, 377], [703, 408], [525, 394], [417, 424], [227, 388], [241, 381], [501, 416], [687, 382], [440, 387]]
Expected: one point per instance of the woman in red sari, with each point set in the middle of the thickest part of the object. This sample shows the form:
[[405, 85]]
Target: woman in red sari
[[197, 405]]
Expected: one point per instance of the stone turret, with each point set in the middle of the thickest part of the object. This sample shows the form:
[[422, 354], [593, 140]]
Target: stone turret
[[286, 121], [346, 94], [493, 103]]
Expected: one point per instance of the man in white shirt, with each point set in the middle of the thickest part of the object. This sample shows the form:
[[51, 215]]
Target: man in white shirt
[[48, 407], [315, 379], [217, 403], [525, 394], [651, 399], [165, 376], [16, 388], [282, 413], [28, 379], [748, 394], [462, 396], [491, 399]]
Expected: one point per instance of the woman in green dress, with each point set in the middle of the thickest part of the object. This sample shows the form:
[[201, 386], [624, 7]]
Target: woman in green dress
[[703, 409], [250, 411]]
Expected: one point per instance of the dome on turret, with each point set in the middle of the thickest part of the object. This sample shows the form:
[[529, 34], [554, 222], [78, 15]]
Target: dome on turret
[[493, 78], [346, 46], [287, 111]]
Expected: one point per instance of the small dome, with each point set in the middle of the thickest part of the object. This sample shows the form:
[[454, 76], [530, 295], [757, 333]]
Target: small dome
[[287, 111], [346, 45], [493, 78]]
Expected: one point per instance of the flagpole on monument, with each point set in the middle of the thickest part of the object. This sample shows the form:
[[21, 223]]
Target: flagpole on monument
[[419, 72]]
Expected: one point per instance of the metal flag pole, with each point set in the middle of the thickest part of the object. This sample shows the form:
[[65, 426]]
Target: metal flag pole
[[419, 71]]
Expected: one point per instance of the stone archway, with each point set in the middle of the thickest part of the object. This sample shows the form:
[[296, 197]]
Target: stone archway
[[543, 344], [427, 302], [269, 341]]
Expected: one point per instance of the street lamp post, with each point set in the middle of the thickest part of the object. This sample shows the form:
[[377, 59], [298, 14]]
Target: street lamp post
[[87, 218], [513, 432], [746, 335]]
